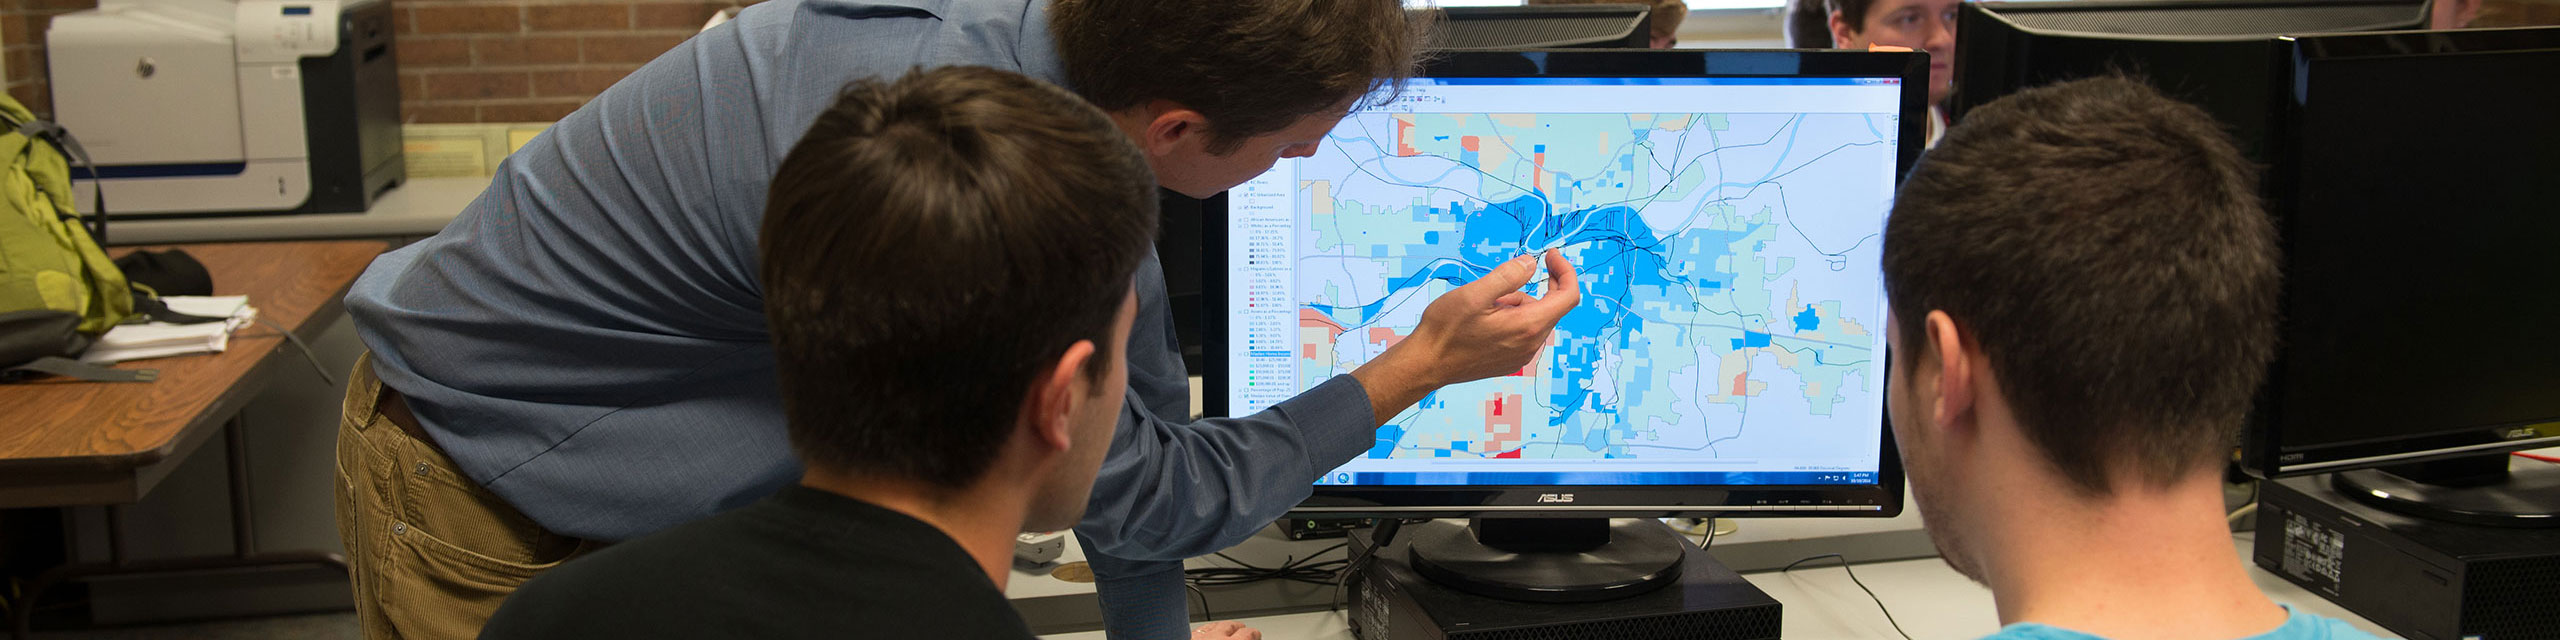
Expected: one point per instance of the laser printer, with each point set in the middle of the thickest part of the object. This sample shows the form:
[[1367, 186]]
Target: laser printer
[[193, 107]]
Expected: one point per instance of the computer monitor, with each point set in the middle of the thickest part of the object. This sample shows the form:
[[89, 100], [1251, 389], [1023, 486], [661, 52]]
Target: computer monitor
[[2433, 142], [2412, 176], [1478, 28], [2217, 54], [1724, 210]]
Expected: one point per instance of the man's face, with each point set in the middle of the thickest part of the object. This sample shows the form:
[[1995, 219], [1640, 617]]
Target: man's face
[[1920, 25], [1910, 404], [1061, 500], [1193, 171]]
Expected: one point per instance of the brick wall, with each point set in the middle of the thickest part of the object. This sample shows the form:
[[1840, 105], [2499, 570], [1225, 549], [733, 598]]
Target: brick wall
[[22, 24], [529, 60], [460, 60]]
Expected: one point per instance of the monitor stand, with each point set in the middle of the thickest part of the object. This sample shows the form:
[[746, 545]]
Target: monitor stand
[[1548, 559], [2496, 490], [1702, 600]]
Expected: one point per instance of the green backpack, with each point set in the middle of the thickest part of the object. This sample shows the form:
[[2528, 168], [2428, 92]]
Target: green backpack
[[58, 291]]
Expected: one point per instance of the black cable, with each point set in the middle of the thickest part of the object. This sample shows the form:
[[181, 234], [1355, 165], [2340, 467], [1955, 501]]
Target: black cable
[[1293, 568], [307, 354], [1382, 533], [1853, 578], [1707, 541], [1205, 615]]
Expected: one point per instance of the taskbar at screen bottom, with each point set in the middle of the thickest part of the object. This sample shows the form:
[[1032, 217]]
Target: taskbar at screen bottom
[[1595, 478]]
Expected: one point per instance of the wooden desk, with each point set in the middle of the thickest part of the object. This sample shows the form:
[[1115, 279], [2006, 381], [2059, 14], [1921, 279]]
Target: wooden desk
[[68, 443]]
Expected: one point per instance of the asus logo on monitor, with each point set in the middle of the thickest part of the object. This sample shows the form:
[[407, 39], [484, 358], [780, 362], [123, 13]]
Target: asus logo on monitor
[[1544, 498]]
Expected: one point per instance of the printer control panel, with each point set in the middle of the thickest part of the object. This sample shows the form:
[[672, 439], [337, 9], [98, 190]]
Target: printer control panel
[[286, 30]]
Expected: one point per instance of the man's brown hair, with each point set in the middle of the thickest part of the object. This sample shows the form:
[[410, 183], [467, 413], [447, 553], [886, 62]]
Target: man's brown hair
[[929, 249], [2106, 247], [1251, 67]]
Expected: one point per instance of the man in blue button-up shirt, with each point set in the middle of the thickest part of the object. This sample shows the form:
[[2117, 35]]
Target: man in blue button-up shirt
[[581, 356]]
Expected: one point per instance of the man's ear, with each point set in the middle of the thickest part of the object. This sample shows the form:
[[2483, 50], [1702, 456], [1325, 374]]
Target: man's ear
[[1841, 31], [1957, 369], [1166, 127], [1061, 389]]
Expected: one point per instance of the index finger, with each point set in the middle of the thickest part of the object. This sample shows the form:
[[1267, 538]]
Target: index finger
[[1564, 291]]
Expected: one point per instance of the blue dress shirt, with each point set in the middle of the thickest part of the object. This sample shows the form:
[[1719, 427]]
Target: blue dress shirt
[[587, 338]]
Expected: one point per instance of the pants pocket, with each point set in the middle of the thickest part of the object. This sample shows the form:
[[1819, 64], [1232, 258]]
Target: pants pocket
[[439, 590]]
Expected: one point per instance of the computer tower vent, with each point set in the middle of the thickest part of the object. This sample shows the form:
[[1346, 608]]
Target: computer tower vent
[[1756, 622], [2512, 599]]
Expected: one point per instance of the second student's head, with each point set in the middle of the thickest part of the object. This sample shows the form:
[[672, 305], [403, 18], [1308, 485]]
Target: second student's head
[[2083, 287], [947, 264]]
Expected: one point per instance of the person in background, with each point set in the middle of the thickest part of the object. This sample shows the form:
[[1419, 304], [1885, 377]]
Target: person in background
[[2452, 14], [1808, 25], [1663, 24], [940, 404], [582, 356], [1919, 25], [2083, 294]]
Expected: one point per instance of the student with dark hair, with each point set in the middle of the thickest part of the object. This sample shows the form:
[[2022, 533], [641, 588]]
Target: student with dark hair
[[583, 356], [948, 306], [2083, 288], [1919, 25]]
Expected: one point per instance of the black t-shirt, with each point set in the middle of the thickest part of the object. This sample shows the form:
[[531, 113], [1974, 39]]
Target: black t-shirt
[[801, 564]]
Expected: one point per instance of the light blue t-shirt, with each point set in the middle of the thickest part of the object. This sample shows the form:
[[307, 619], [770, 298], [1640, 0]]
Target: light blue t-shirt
[[2297, 626]]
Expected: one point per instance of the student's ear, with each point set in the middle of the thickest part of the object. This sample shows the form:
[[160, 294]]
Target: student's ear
[[1957, 369], [1168, 126], [1841, 31], [1061, 390]]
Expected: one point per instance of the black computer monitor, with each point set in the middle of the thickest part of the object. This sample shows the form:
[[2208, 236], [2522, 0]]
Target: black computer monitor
[[1725, 211], [1621, 26], [2416, 180], [2217, 54]]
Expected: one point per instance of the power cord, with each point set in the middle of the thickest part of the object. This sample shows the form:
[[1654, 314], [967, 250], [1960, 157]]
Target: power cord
[[1205, 614], [1383, 532], [1293, 568], [1853, 579], [307, 355], [2232, 521]]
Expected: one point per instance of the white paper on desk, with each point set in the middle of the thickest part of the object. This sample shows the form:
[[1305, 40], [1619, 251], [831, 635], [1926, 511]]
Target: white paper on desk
[[161, 339]]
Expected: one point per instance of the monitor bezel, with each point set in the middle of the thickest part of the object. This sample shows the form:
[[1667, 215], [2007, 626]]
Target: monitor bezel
[[1882, 499], [2264, 452]]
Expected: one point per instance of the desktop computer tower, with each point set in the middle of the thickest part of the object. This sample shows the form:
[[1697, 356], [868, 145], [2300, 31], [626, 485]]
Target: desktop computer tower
[[2422, 579], [1390, 601]]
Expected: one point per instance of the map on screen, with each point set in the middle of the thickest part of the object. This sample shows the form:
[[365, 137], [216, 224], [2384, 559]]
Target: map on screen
[[1726, 235]]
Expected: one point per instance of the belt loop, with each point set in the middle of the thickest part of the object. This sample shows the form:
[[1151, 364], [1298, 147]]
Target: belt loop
[[364, 397]]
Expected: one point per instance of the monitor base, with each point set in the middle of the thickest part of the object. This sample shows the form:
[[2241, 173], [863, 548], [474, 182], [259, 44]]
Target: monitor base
[[1705, 601], [2480, 490], [1548, 559]]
